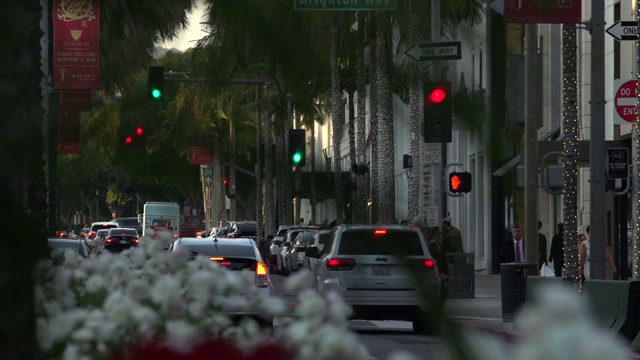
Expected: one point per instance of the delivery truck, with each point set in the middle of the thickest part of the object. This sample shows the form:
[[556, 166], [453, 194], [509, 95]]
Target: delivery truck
[[161, 221]]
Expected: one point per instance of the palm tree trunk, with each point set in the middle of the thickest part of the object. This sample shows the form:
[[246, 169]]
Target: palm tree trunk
[[336, 118], [269, 203], [570, 160], [386, 148], [359, 203], [232, 171], [373, 128], [352, 147], [413, 188]]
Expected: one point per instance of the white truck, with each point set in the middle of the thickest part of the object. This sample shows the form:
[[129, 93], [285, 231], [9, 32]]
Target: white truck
[[161, 221]]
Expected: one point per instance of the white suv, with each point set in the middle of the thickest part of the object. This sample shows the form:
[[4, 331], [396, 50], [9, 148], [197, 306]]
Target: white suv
[[385, 272]]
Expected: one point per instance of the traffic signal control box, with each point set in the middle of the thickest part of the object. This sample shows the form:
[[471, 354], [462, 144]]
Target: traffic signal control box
[[438, 102], [297, 147], [459, 182], [156, 83]]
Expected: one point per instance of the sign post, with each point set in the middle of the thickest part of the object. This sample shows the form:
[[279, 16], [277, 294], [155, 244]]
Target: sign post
[[626, 96]]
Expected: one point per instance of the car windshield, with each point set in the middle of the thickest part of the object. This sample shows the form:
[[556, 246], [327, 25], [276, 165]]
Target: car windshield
[[380, 242], [128, 222]]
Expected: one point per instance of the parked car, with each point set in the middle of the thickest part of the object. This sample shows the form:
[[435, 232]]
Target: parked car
[[120, 239], [320, 238], [295, 254], [383, 272], [59, 246], [100, 225], [276, 243], [245, 229], [235, 254], [285, 246]]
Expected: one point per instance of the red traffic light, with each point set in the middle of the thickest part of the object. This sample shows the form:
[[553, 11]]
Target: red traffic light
[[437, 95], [139, 130], [225, 181], [128, 139]]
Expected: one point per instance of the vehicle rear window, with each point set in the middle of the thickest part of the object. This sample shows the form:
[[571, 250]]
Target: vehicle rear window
[[323, 238], [393, 242], [121, 232], [97, 227], [240, 251], [128, 222], [236, 264]]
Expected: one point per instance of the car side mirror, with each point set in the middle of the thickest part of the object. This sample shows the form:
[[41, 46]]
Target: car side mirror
[[312, 252]]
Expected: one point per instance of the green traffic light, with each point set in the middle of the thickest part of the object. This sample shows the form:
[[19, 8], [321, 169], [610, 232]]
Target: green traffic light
[[156, 93], [297, 157]]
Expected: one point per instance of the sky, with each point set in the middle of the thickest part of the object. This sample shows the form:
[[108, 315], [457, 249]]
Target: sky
[[188, 37]]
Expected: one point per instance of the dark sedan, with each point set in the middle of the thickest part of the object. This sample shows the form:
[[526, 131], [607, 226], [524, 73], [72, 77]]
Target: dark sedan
[[60, 245], [120, 239]]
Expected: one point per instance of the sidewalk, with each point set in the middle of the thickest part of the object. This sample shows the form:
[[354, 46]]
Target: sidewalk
[[484, 311]]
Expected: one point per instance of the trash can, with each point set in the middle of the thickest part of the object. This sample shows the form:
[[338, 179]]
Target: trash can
[[462, 281], [513, 281]]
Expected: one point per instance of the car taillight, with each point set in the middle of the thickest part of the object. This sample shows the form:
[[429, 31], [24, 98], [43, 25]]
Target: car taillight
[[91, 233], [262, 281], [110, 240], [135, 240], [339, 264], [429, 263], [379, 232], [175, 236]]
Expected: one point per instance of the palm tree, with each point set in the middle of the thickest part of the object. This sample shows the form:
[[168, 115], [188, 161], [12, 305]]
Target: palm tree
[[570, 159]]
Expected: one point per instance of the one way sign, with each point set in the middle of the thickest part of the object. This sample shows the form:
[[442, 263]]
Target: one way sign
[[624, 30]]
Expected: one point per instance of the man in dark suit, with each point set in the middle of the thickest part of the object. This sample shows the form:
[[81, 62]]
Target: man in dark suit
[[542, 246], [508, 252], [556, 254]]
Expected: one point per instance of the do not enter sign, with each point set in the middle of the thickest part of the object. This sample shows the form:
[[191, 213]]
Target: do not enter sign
[[626, 97]]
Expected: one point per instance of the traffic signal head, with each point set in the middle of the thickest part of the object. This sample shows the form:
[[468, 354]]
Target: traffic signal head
[[297, 147], [139, 130], [459, 182], [225, 182], [437, 111], [128, 140], [156, 83]]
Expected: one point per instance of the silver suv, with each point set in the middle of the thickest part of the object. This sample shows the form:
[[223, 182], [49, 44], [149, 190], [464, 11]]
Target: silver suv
[[385, 272]]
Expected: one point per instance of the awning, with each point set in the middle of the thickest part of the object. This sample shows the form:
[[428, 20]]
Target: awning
[[508, 166]]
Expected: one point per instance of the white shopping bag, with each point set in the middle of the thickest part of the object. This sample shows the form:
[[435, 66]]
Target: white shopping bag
[[547, 271]]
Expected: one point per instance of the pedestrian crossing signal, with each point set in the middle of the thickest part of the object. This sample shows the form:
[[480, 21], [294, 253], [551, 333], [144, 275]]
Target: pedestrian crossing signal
[[459, 182]]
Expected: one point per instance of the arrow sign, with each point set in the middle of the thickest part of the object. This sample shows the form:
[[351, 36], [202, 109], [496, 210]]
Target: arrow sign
[[624, 30], [450, 50]]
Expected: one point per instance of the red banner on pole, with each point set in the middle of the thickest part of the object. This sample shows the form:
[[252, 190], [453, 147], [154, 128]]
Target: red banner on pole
[[68, 132], [76, 44], [200, 155], [75, 100], [555, 12]]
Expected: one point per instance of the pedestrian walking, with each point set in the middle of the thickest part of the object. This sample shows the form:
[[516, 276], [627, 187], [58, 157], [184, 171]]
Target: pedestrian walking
[[556, 253], [542, 246], [452, 237], [512, 250], [584, 257], [437, 250]]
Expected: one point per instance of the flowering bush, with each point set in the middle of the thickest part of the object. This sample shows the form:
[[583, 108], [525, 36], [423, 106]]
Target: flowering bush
[[144, 298], [148, 304]]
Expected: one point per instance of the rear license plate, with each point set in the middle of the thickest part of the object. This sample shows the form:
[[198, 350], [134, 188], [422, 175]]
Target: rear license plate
[[123, 241], [381, 270]]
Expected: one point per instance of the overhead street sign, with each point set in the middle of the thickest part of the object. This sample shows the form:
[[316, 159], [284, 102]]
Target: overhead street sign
[[625, 99], [624, 30], [344, 4], [450, 50]]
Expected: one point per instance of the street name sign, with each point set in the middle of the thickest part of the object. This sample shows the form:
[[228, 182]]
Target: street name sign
[[624, 30], [450, 50], [625, 99], [344, 4], [618, 159]]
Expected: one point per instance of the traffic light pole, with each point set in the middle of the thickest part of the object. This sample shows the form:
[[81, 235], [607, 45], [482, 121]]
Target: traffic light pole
[[435, 75]]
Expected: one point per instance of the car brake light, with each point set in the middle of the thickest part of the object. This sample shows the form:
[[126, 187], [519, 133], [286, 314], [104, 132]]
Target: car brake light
[[109, 240], [340, 264], [262, 281], [216, 258], [135, 240], [429, 263], [380, 232]]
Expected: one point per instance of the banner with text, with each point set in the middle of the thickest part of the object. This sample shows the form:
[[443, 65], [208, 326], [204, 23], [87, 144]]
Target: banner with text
[[554, 12], [200, 155], [76, 44], [68, 132]]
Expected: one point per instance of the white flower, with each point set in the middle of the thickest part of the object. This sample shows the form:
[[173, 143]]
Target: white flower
[[298, 282], [165, 290], [200, 283], [181, 336], [60, 325], [94, 284], [118, 307], [138, 289], [401, 355], [275, 306]]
